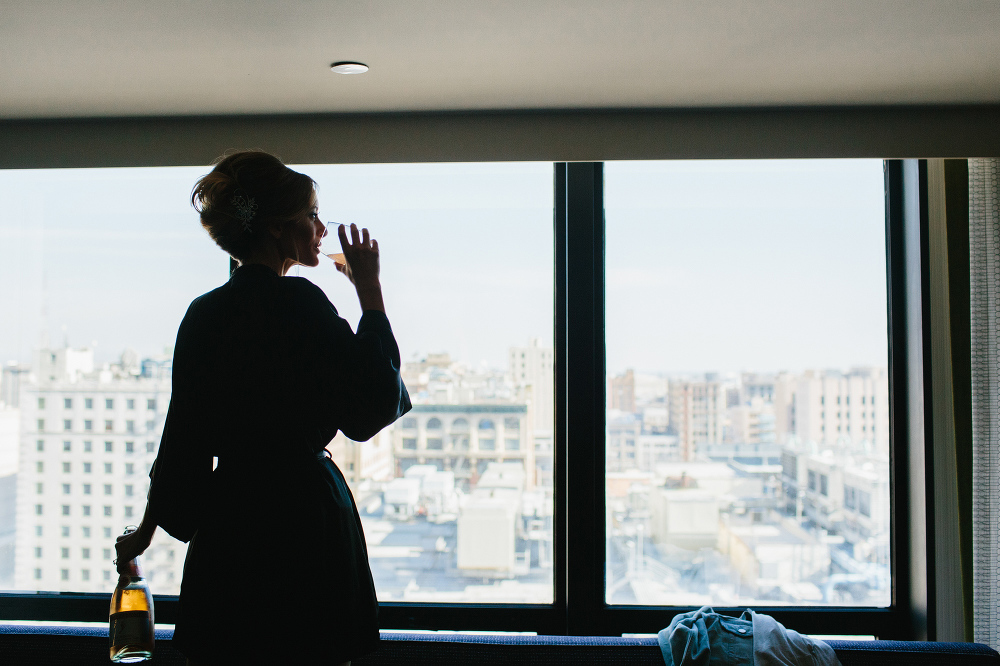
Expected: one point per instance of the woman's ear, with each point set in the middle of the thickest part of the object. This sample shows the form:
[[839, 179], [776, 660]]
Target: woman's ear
[[275, 228]]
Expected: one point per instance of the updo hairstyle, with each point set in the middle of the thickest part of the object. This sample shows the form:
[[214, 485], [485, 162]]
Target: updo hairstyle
[[243, 194]]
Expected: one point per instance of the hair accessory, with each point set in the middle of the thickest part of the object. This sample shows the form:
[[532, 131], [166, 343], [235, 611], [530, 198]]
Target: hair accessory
[[246, 208]]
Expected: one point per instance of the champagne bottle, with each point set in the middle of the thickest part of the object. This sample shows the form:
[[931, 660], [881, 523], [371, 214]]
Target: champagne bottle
[[131, 630]]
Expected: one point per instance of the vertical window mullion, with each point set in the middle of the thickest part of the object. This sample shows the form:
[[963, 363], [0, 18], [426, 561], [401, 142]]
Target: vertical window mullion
[[584, 415]]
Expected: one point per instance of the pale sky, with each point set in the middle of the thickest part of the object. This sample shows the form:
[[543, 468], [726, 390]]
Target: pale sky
[[711, 265]]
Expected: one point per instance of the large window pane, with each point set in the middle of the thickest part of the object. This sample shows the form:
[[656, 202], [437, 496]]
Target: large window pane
[[101, 264], [456, 497], [748, 434]]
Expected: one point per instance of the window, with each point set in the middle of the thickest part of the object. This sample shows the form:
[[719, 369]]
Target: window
[[41, 425], [130, 403], [67, 446], [67, 467], [38, 509], [128, 490], [88, 403], [86, 489], [444, 386], [41, 403], [108, 446], [65, 509], [130, 426], [67, 425], [38, 552], [109, 403], [129, 447], [65, 489], [40, 444], [64, 530], [88, 425], [88, 446], [39, 489], [109, 425], [129, 468], [67, 403], [699, 405], [107, 488], [151, 403], [86, 532]]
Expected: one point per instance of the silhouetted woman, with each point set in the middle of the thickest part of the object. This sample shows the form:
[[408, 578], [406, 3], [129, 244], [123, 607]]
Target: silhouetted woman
[[265, 373]]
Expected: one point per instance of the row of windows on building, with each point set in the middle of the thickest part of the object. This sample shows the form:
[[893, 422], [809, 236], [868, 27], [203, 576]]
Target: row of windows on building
[[64, 574], [65, 530], [461, 444], [88, 425], [109, 403], [88, 468], [510, 424], [88, 446], [87, 489], [847, 400], [822, 415], [847, 428], [85, 510]]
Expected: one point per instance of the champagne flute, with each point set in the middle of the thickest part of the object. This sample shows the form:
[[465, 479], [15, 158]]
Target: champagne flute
[[331, 232]]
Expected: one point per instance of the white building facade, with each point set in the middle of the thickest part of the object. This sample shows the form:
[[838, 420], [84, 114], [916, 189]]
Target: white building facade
[[88, 438]]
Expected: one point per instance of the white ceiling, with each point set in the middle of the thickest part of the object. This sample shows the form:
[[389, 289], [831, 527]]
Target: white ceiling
[[63, 58]]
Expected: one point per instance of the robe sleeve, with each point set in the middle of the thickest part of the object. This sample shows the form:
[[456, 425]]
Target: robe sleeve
[[379, 396], [181, 473]]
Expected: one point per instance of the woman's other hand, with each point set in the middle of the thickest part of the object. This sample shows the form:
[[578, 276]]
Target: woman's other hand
[[131, 546], [362, 266]]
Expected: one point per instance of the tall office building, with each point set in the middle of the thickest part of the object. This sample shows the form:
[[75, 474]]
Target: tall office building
[[88, 437], [852, 408], [697, 413]]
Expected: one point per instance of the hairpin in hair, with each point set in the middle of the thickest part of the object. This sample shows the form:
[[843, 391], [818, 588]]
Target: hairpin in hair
[[246, 208]]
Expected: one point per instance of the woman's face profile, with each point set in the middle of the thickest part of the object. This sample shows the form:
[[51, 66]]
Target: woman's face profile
[[304, 235]]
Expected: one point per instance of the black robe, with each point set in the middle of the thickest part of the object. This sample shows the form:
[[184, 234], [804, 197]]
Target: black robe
[[265, 373]]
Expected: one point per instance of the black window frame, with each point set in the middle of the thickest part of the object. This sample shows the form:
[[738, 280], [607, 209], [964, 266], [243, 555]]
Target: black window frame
[[579, 606]]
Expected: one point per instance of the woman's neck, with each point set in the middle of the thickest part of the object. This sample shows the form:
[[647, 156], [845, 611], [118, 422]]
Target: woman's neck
[[272, 259]]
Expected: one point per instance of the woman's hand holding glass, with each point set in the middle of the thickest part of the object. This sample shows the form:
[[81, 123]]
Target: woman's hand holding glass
[[360, 263]]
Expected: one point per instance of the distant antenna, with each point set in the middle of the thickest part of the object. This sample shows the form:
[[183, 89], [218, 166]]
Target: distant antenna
[[43, 338]]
